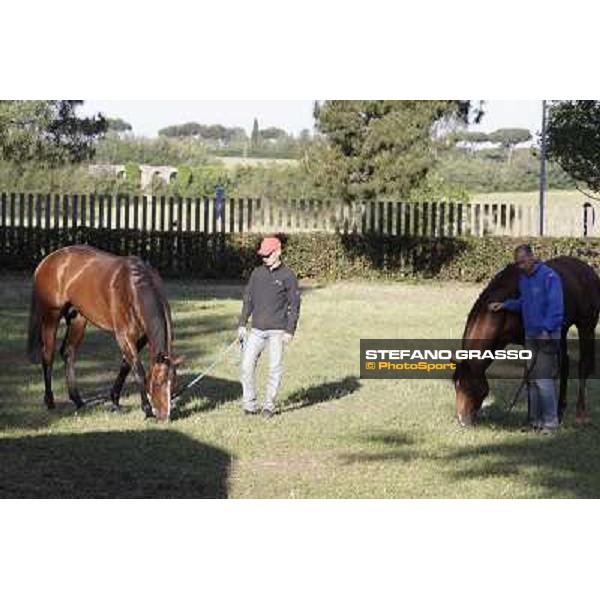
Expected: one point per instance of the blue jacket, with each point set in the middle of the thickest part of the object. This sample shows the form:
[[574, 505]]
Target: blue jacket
[[540, 302]]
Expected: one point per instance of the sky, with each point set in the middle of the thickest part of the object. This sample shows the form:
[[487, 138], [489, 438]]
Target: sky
[[148, 116]]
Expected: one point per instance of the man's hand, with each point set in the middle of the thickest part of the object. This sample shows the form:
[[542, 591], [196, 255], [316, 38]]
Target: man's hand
[[495, 306], [242, 334], [287, 338]]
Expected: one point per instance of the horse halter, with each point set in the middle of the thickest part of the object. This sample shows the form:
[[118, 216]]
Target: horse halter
[[163, 359]]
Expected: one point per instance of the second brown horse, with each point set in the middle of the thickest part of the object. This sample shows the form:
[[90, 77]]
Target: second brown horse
[[486, 330], [118, 294]]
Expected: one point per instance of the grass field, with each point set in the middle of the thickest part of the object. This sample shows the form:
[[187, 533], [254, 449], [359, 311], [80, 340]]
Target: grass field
[[555, 198], [231, 162], [337, 436]]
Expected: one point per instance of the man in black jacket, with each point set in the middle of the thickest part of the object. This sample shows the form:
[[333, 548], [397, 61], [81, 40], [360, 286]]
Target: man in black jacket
[[272, 298]]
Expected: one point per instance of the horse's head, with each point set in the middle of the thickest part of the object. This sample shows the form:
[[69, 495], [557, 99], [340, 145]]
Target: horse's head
[[485, 330], [471, 390], [160, 383]]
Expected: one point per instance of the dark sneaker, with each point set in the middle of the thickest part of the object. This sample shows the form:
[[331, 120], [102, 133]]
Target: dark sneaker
[[267, 413], [247, 411], [530, 427], [549, 430]]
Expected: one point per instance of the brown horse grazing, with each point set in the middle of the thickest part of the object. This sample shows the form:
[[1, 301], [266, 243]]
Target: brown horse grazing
[[486, 330], [119, 294]]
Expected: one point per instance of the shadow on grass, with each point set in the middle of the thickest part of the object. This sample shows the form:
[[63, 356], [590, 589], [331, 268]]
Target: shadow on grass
[[324, 392], [208, 394], [205, 289], [97, 364], [396, 445], [498, 414], [564, 465], [126, 464], [98, 360]]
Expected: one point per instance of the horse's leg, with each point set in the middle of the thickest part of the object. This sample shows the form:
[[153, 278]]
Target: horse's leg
[[564, 363], [140, 376], [75, 329], [115, 393], [132, 357], [50, 322], [587, 360]]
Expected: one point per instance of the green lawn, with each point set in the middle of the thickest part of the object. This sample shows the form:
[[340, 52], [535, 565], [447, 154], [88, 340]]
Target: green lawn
[[337, 436]]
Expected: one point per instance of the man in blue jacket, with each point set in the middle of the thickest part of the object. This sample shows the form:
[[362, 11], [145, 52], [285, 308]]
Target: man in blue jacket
[[542, 307]]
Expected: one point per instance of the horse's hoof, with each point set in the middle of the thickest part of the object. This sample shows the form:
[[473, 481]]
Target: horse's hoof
[[49, 402], [582, 419], [115, 408]]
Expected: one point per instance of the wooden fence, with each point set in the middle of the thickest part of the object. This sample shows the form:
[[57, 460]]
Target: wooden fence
[[162, 214]]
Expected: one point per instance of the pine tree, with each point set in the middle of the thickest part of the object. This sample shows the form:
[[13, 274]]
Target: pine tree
[[255, 138], [377, 148], [47, 132]]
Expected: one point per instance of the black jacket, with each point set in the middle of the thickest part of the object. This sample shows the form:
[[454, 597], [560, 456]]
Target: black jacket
[[272, 298]]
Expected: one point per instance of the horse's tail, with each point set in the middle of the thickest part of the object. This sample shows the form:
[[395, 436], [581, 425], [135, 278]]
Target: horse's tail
[[34, 339]]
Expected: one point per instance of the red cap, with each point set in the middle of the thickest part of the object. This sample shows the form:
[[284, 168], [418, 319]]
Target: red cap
[[268, 245]]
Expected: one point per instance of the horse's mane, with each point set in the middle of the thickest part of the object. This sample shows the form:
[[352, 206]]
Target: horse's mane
[[502, 285], [152, 304]]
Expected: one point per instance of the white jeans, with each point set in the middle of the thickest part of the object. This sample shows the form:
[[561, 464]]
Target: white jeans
[[257, 341]]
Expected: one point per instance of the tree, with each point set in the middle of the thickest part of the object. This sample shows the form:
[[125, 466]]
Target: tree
[[184, 130], [375, 148], [273, 133], [47, 132], [574, 139], [304, 135], [118, 125], [255, 137], [472, 138], [211, 133], [509, 138]]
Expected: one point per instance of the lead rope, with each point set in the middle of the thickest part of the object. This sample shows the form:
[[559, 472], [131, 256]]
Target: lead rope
[[209, 369], [526, 382]]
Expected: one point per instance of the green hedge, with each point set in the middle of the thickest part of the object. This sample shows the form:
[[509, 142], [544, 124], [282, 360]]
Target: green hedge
[[324, 256], [333, 257]]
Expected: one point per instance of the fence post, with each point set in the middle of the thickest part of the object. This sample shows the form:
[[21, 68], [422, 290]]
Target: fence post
[[47, 210], [92, 210], [83, 211], [3, 210], [197, 217], [152, 211], [433, 229], [452, 218], [136, 213], [38, 211], [442, 224], [188, 214], [250, 215], [109, 212], [127, 208], [118, 212]]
